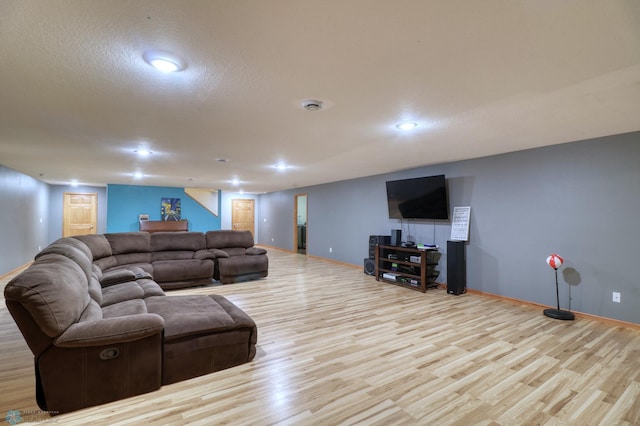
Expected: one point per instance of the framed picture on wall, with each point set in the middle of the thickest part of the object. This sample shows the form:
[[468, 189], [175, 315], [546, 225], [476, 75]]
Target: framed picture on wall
[[170, 209]]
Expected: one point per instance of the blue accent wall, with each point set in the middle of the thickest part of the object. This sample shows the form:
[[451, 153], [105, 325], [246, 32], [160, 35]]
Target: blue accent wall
[[126, 202]]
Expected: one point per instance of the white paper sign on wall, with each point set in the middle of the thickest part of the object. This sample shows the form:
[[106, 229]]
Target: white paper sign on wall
[[460, 223]]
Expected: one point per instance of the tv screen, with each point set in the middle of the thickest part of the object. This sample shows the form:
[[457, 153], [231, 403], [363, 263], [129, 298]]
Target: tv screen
[[418, 198]]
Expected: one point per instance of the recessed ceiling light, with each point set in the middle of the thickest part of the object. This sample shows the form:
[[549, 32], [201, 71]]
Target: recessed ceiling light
[[163, 61], [138, 175], [74, 182], [408, 125], [312, 105], [281, 166], [143, 152]]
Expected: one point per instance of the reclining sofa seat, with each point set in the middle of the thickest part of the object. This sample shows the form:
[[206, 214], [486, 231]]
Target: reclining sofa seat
[[236, 257], [180, 259], [96, 343]]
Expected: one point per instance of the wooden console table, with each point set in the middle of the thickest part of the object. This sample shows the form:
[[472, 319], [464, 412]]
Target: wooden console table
[[414, 275], [152, 226]]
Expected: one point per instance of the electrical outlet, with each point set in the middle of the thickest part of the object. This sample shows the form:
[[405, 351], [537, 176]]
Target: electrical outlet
[[616, 297]]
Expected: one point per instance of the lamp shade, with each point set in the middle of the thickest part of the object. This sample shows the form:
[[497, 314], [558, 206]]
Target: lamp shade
[[555, 261]]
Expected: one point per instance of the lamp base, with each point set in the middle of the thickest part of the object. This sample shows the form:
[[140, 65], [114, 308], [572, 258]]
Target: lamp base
[[559, 314]]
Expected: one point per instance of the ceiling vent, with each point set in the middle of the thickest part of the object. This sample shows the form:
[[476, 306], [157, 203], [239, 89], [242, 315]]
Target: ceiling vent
[[312, 105]]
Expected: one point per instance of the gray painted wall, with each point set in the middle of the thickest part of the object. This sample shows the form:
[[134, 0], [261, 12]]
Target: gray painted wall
[[25, 218], [32, 216], [579, 200]]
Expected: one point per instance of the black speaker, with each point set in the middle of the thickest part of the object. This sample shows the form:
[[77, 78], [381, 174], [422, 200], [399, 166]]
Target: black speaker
[[377, 239], [396, 237], [369, 266], [456, 268]]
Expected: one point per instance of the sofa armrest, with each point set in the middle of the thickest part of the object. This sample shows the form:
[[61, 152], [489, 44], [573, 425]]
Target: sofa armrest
[[219, 253], [109, 331], [255, 251], [204, 254], [124, 275], [118, 276]]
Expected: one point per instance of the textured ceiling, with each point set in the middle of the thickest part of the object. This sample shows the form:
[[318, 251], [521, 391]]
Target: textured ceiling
[[479, 77]]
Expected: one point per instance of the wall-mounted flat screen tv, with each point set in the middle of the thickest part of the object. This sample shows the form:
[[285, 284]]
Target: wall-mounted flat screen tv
[[418, 198]]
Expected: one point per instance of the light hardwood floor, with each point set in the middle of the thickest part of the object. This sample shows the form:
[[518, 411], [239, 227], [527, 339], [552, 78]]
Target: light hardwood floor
[[337, 347]]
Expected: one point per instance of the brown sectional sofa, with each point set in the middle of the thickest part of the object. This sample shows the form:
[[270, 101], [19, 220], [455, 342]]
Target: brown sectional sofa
[[93, 311], [180, 259]]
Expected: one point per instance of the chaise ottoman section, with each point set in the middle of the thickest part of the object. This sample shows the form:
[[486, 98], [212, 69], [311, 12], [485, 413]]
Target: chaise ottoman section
[[172, 274], [235, 269], [202, 334]]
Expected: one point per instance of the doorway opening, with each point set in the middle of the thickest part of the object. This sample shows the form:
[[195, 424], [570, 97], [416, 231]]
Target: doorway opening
[[300, 223]]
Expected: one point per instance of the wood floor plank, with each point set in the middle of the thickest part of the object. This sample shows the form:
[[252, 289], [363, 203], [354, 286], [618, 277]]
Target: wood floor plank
[[335, 346]]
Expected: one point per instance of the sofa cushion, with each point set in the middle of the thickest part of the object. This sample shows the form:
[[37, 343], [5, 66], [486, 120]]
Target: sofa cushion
[[129, 242], [54, 290], [218, 253], [106, 263], [98, 245], [235, 251], [241, 265], [150, 288], [128, 307], [117, 276], [255, 251], [74, 250], [172, 241], [182, 270], [95, 291], [141, 260], [93, 312], [171, 255], [205, 254], [121, 292], [187, 316], [229, 238], [110, 331], [78, 252], [134, 267], [138, 289]]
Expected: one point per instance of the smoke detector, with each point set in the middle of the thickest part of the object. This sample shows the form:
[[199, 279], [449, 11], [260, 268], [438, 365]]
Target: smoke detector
[[312, 105]]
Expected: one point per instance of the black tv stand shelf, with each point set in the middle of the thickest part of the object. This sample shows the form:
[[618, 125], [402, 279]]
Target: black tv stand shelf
[[394, 261]]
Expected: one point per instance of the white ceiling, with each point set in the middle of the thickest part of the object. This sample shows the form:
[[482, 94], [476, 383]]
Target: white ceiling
[[479, 77]]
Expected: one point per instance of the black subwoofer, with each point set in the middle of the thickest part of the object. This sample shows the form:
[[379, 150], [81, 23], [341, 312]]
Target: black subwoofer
[[369, 266]]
